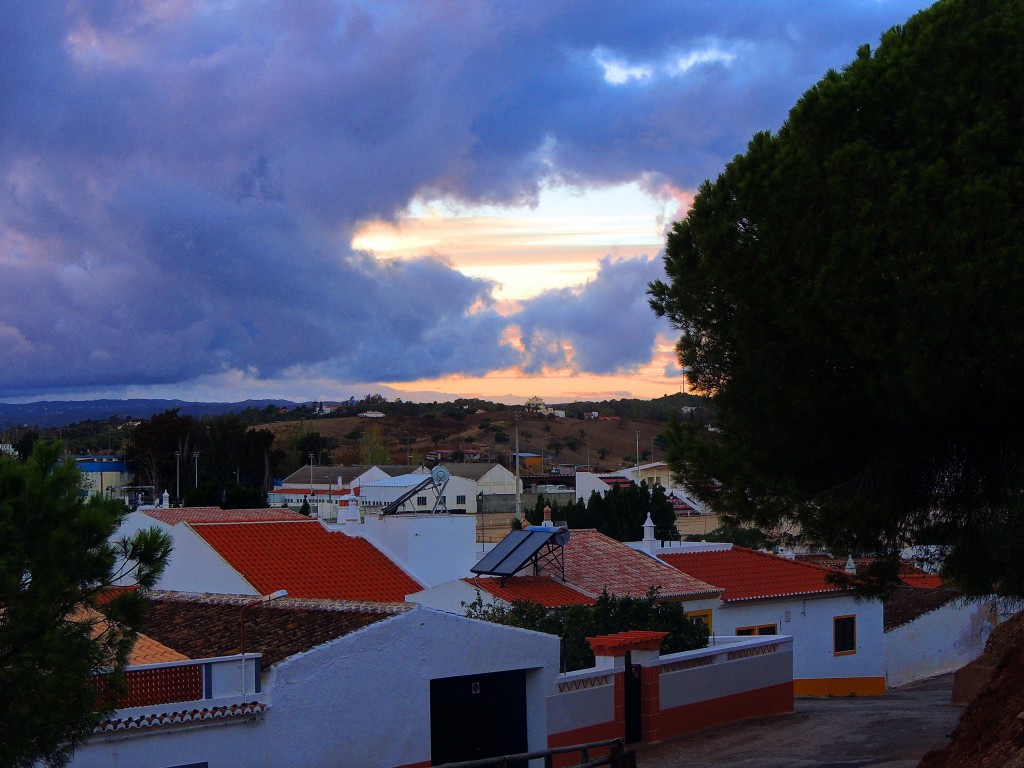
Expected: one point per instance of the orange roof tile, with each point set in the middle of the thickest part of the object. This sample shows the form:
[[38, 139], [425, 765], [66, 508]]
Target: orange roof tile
[[175, 515], [746, 574], [922, 580], [594, 562], [304, 558], [148, 651], [535, 589], [908, 572]]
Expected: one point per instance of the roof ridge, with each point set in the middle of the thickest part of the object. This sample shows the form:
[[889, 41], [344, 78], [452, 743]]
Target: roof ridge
[[284, 603], [771, 555], [248, 522]]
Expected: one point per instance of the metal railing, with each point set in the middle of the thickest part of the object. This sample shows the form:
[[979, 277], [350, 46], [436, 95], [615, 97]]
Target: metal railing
[[617, 757]]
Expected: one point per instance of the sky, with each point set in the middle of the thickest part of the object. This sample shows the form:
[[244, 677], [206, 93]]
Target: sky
[[428, 199]]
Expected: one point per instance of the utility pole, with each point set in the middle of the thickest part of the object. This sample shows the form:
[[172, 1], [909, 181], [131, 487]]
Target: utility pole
[[310, 474], [519, 499], [195, 455], [638, 458], [177, 476]]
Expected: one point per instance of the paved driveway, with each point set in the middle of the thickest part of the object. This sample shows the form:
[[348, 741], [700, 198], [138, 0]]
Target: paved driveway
[[891, 731]]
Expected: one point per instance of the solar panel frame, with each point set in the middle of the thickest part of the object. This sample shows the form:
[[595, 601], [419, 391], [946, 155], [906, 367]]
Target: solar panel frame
[[512, 553]]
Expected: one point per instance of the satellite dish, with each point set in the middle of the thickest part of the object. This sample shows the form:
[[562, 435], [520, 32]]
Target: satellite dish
[[440, 475]]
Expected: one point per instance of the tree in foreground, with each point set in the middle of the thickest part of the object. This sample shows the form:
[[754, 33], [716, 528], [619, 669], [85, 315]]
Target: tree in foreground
[[57, 563], [850, 292]]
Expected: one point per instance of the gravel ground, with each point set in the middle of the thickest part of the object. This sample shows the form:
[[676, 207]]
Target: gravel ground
[[891, 731]]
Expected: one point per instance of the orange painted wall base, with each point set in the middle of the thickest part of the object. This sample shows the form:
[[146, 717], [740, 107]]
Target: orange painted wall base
[[600, 732], [773, 700], [840, 686]]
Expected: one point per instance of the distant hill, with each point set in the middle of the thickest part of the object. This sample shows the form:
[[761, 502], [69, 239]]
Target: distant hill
[[59, 413]]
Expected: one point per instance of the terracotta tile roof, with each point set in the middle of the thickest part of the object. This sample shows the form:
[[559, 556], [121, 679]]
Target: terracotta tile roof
[[906, 603], [248, 710], [144, 651], [148, 651], [304, 558], [536, 589], [469, 470], [746, 574], [204, 626], [175, 515], [298, 491], [908, 572], [594, 562]]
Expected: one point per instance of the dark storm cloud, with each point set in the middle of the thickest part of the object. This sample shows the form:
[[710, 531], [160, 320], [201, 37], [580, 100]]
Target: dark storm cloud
[[607, 322], [179, 181]]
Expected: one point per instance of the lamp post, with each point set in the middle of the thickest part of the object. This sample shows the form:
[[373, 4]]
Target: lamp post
[[195, 456], [241, 624], [177, 476]]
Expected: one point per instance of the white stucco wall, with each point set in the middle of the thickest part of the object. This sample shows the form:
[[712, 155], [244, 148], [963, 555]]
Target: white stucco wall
[[433, 549], [587, 483], [361, 700], [809, 622], [496, 480], [940, 641], [452, 597], [377, 686], [372, 496], [193, 566]]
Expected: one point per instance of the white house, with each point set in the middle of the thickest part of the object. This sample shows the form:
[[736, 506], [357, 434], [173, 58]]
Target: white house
[[459, 495], [233, 681], [838, 637], [370, 685], [259, 551], [490, 479], [932, 629]]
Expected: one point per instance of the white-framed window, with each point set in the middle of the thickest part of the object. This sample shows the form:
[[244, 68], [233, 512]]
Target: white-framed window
[[421, 501]]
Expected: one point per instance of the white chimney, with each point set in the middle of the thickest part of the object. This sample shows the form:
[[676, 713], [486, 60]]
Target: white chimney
[[649, 542], [850, 568]]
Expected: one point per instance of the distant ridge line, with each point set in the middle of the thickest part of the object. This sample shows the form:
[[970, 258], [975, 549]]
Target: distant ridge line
[[58, 413]]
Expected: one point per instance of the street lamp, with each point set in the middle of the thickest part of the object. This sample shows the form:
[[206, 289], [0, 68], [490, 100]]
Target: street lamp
[[195, 455], [241, 624], [177, 476]]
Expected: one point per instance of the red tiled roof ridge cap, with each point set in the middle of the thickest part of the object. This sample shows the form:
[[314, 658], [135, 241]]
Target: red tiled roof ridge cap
[[251, 522], [319, 603], [813, 566]]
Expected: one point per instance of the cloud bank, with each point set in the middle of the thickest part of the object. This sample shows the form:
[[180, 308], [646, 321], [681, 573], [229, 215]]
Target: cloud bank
[[180, 180]]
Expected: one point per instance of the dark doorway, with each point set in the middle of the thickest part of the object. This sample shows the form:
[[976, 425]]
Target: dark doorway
[[634, 725], [477, 716]]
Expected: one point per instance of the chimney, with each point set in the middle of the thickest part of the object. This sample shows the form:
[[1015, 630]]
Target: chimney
[[649, 542], [547, 518], [850, 568], [648, 528]]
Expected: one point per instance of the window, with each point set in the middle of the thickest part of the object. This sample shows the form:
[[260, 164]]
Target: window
[[421, 501], [702, 616], [844, 635], [759, 629]]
